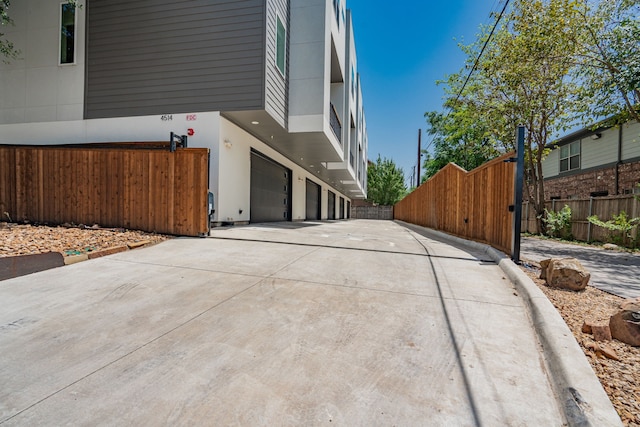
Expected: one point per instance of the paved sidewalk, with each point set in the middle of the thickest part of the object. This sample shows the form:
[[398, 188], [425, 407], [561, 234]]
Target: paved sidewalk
[[339, 323], [615, 272]]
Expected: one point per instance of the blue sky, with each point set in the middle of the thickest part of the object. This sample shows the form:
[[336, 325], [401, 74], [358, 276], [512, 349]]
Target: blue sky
[[403, 47]]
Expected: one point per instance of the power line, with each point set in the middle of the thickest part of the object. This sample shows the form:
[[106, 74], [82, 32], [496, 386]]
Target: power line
[[486, 42], [475, 64]]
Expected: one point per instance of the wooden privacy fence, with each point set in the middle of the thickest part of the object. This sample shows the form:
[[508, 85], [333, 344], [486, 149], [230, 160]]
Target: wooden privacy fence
[[150, 190], [473, 205], [581, 209]]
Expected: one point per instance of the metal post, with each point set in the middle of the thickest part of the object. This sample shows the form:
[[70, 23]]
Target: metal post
[[589, 222], [419, 155], [517, 211]]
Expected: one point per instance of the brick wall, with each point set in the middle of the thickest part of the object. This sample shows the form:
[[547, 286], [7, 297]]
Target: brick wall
[[629, 176], [582, 185]]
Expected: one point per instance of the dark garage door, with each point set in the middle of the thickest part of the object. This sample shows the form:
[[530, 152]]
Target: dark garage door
[[331, 206], [341, 207], [270, 190], [313, 200]]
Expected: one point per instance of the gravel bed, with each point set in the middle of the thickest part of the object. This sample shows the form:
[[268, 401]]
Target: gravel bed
[[620, 378], [25, 239]]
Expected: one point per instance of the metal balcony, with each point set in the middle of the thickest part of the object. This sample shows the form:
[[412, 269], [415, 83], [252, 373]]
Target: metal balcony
[[334, 121]]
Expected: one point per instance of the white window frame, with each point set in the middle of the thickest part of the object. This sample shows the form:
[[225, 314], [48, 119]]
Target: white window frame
[[283, 72], [75, 35], [570, 156]]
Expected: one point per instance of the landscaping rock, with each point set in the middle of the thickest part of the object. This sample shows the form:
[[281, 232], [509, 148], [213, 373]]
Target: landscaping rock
[[610, 247], [625, 325], [601, 333], [587, 327], [565, 273], [608, 352]]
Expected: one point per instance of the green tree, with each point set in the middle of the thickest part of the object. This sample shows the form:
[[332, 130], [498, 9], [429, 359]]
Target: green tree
[[608, 61], [7, 49], [385, 182], [523, 77], [462, 135], [457, 140], [527, 67]]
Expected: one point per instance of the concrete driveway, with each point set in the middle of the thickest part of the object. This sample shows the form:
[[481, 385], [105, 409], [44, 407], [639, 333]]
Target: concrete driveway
[[340, 323], [615, 272]]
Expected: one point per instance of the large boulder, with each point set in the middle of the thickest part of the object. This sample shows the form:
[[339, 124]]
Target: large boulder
[[565, 273], [625, 324]]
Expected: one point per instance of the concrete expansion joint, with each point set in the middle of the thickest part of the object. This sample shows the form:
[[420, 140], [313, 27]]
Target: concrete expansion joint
[[578, 391]]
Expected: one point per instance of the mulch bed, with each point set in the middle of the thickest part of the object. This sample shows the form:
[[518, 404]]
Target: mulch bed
[[25, 239]]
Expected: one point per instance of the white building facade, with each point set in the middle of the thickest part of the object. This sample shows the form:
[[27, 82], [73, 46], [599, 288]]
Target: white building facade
[[270, 87]]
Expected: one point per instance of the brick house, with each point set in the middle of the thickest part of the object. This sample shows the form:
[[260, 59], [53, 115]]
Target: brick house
[[594, 163]]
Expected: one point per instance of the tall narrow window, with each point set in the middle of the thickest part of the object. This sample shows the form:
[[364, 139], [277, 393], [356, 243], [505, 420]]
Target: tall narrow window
[[281, 45], [67, 33], [353, 82], [570, 157]]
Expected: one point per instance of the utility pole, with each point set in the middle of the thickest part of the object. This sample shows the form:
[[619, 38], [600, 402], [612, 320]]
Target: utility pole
[[419, 155]]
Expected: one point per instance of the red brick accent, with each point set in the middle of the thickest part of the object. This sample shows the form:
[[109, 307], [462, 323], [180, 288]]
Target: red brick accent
[[629, 176], [582, 185]]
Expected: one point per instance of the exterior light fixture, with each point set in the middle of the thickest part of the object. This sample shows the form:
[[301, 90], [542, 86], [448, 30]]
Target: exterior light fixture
[[255, 122], [228, 143], [596, 136]]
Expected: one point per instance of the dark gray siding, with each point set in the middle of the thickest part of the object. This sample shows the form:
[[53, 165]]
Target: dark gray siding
[[173, 56], [276, 83]]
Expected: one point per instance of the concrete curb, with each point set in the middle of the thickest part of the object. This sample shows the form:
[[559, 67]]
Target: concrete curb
[[581, 396], [21, 265]]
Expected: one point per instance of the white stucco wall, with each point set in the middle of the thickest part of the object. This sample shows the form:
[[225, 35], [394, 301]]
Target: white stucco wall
[[234, 187], [34, 87]]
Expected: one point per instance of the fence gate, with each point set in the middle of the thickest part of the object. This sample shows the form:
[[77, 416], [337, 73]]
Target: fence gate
[[144, 189]]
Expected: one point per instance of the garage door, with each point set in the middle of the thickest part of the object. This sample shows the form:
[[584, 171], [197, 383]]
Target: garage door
[[313, 200], [341, 207], [331, 206], [270, 190]]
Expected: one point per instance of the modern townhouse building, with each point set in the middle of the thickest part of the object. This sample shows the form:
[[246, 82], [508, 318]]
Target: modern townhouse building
[[592, 163], [270, 87]]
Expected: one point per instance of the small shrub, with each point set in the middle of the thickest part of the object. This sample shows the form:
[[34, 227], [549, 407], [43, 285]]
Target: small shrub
[[558, 224], [620, 228]]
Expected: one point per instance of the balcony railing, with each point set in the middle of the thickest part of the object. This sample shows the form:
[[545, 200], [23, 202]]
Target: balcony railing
[[334, 121]]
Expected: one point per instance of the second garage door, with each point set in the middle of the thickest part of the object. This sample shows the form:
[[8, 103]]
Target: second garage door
[[313, 200], [270, 190], [331, 206]]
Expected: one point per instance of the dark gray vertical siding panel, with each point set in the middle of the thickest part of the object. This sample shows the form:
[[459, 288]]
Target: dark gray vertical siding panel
[[172, 56], [276, 85]]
